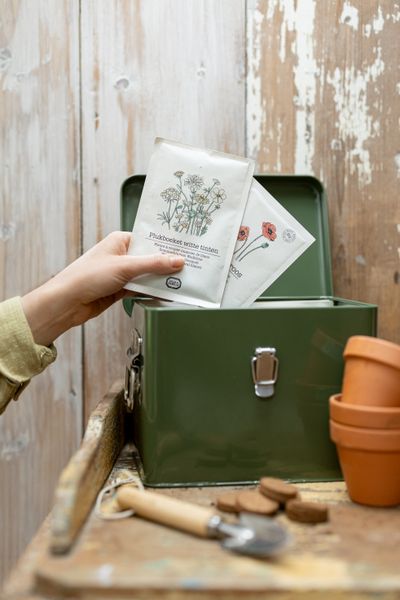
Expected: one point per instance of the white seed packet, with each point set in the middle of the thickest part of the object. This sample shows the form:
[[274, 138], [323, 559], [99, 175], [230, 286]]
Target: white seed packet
[[192, 204], [270, 239]]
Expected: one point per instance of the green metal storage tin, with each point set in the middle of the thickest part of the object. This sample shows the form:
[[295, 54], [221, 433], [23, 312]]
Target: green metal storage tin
[[196, 377]]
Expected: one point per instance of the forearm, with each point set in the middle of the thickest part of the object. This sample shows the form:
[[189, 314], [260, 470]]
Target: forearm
[[80, 292], [49, 311]]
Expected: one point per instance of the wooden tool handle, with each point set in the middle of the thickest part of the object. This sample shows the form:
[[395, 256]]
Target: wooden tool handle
[[166, 510]]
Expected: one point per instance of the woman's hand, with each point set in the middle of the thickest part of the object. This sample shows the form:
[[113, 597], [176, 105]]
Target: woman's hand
[[89, 285]]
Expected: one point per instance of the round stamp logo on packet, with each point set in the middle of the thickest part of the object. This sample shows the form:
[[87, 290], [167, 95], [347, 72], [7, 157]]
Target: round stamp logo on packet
[[173, 282], [289, 235]]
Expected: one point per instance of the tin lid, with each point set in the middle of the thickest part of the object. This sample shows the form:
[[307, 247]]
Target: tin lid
[[305, 198]]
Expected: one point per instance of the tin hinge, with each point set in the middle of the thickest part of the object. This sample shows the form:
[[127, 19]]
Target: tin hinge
[[134, 363], [264, 367]]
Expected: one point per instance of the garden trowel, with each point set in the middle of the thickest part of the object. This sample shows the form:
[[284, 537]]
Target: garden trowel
[[253, 535]]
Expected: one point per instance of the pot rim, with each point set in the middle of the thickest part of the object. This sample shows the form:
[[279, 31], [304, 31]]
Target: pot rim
[[363, 415], [373, 348], [361, 438]]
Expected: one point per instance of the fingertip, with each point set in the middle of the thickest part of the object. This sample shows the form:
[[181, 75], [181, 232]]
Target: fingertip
[[176, 261]]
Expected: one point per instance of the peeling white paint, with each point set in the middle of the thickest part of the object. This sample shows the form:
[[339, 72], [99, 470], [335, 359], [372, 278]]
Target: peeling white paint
[[94, 427], [349, 15], [376, 127], [255, 103], [360, 260], [377, 24], [355, 125], [367, 30], [305, 78], [288, 23], [397, 163], [104, 574], [298, 18], [12, 447], [279, 146], [394, 17]]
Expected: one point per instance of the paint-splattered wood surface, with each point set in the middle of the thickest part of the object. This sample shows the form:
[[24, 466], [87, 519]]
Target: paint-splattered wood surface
[[39, 234], [88, 469], [355, 555], [301, 85]]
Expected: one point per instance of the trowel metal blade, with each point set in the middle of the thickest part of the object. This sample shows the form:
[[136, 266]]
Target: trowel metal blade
[[269, 537]]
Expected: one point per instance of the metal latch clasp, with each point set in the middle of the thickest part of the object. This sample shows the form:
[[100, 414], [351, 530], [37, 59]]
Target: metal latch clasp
[[134, 363], [264, 367]]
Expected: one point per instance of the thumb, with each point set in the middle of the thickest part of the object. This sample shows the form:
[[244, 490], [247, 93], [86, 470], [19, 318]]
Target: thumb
[[160, 264]]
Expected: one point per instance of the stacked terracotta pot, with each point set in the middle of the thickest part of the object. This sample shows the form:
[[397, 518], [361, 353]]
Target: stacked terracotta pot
[[365, 421]]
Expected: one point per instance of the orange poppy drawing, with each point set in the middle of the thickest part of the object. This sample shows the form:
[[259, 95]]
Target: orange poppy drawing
[[268, 230]]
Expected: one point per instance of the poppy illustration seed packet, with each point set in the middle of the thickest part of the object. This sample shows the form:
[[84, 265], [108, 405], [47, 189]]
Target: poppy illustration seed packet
[[269, 240], [192, 205]]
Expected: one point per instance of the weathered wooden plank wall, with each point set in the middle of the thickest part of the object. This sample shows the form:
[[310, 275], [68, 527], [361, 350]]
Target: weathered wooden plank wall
[[39, 234], [323, 97], [303, 86], [173, 68], [147, 68]]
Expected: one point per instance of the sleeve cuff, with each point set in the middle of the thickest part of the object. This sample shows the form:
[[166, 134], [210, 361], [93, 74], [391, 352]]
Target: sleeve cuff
[[20, 357]]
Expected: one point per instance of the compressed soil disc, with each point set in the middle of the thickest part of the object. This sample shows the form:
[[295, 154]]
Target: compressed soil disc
[[227, 502], [307, 512], [277, 489], [253, 501]]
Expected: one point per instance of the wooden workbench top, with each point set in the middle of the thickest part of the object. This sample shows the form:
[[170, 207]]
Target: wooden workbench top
[[355, 555]]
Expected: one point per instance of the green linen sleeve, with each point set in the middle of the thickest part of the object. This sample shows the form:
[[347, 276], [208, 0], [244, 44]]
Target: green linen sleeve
[[20, 357]]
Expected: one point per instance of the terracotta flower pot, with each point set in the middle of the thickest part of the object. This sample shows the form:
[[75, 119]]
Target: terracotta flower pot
[[372, 372], [370, 462], [355, 415]]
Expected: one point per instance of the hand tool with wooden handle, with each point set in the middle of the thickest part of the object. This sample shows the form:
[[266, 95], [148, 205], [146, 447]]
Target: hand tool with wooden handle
[[253, 535]]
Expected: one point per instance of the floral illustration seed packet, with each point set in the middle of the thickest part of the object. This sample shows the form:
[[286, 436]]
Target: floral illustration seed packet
[[192, 204], [269, 240]]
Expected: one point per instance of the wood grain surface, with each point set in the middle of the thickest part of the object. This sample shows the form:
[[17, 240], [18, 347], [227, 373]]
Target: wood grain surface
[[309, 86], [353, 556], [174, 69], [87, 470], [323, 98], [39, 235]]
